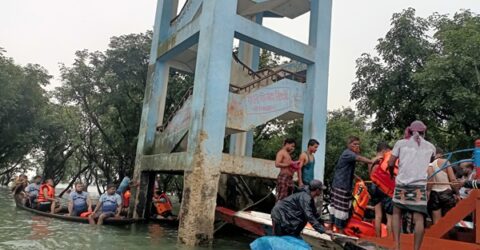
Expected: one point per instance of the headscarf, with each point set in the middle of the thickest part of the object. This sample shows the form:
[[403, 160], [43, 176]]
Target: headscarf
[[414, 129]]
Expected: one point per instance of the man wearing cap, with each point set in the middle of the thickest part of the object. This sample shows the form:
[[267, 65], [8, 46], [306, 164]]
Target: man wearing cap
[[414, 154], [290, 215]]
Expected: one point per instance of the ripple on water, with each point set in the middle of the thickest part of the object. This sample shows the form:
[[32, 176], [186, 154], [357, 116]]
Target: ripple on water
[[24, 231]]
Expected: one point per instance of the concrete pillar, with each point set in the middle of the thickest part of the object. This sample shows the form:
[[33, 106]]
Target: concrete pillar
[[315, 117], [155, 95], [207, 128], [242, 143]]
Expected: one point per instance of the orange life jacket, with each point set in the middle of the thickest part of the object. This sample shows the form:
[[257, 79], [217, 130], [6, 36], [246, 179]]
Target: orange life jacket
[[50, 193], [381, 176], [360, 199], [126, 198], [163, 207], [360, 229]]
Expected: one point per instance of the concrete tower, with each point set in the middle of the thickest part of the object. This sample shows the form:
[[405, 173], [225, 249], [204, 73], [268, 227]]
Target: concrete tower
[[230, 97]]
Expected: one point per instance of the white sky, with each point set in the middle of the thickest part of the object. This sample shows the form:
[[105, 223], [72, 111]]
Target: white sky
[[49, 32]]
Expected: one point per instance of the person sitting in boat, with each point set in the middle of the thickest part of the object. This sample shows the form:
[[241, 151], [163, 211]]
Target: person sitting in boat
[[109, 205], [19, 185], [79, 202], [291, 214], [32, 191], [442, 197], [163, 205], [46, 197], [126, 200], [469, 174]]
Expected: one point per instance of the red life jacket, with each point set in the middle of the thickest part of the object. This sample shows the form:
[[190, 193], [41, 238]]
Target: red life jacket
[[126, 198], [381, 176], [163, 207], [50, 193], [360, 199]]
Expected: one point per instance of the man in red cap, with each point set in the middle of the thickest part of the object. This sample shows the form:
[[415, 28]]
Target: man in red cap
[[414, 154]]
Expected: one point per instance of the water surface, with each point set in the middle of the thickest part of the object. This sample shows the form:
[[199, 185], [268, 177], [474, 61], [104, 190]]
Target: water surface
[[23, 230]]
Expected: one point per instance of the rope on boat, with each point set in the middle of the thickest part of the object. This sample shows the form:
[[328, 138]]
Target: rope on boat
[[243, 209], [435, 182]]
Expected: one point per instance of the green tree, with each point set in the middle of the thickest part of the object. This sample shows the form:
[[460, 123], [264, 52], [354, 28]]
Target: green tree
[[415, 76], [22, 101]]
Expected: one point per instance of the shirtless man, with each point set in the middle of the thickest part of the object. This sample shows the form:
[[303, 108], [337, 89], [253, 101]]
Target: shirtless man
[[284, 162]]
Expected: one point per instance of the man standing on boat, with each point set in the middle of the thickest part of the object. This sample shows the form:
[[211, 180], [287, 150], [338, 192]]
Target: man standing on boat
[[290, 215], [343, 183], [79, 201], [284, 161], [414, 154], [307, 163]]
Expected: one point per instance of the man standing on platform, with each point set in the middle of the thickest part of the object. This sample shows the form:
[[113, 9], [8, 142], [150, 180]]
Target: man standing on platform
[[414, 154], [284, 161], [307, 163]]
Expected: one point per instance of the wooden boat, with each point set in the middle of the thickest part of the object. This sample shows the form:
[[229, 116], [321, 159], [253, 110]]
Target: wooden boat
[[260, 224], [62, 216], [165, 221], [449, 233]]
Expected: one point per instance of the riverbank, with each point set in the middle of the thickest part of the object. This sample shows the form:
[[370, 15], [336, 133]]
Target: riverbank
[[23, 230]]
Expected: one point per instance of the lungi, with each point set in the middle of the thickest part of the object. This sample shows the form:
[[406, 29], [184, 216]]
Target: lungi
[[411, 198], [284, 186], [341, 200]]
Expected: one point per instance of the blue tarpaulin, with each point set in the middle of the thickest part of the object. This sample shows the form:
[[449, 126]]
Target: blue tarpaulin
[[279, 243]]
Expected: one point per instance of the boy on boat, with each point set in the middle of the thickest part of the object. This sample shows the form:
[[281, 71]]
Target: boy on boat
[[46, 197], [109, 205], [343, 183], [414, 154], [284, 161], [379, 190], [79, 201], [32, 191], [307, 163], [290, 215]]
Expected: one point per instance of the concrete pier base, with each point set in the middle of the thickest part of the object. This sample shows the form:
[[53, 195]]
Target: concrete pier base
[[197, 212]]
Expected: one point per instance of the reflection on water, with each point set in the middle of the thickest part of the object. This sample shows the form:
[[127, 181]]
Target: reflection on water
[[23, 230]]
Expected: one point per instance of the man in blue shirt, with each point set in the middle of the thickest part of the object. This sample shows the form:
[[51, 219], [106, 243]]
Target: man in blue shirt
[[79, 201], [343, 182], [109, 205], [32, 191]]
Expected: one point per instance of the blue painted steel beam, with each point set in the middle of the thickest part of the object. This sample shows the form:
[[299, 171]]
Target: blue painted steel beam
[[315, 118], [263, 37], [185, 38]]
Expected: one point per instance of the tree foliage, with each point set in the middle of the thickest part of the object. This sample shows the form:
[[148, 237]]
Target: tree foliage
[[416, 76]]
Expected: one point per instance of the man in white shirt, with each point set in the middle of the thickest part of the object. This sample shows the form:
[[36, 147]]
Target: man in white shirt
[[414, 154]]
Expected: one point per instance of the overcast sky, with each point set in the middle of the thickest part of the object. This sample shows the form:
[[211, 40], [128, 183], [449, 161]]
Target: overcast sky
[[49, 32]]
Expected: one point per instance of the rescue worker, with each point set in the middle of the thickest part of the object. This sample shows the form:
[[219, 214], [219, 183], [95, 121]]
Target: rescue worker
[[342, 183], [46, 197], [163, 205], [32, 191], [79, 201], [109, 205], [290, 215], [414, 154]]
